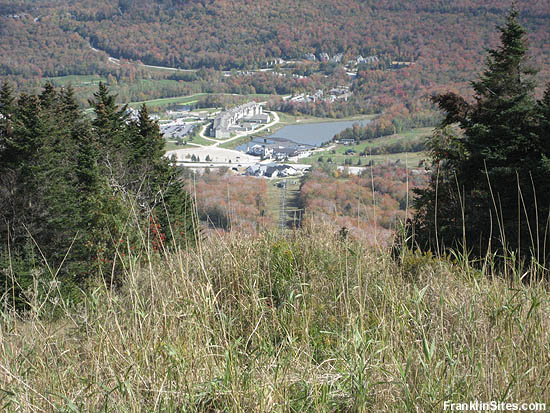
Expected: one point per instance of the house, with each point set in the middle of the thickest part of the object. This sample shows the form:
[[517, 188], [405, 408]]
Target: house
[[281, 153], [280, 171], [298, 98], [275, 61], [366, 60], [133, 114], [337, 58], [340, 90], [256, 169], [259, 118], [271, 170], [318, 95], [399, 65]]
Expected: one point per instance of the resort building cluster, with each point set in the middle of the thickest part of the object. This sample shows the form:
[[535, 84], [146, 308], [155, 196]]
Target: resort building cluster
[[279, 149], [241, 118]]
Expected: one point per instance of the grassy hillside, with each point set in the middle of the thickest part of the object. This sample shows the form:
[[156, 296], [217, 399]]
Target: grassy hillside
[[297, 322]]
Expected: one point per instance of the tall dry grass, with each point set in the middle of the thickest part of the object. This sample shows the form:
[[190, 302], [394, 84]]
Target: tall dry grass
[[300, 321]]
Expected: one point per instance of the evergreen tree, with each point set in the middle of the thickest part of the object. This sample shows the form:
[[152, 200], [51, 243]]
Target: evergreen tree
[[7, 108], [171, 205], [148, 143], [110, 121], [74, 188], [544, 123], [42, 203], [489, 183]]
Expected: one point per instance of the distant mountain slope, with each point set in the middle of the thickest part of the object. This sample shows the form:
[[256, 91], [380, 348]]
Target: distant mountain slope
[[446, 39], [233, 33]]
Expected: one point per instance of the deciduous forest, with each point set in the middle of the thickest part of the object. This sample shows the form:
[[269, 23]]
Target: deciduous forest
[[443, 41]]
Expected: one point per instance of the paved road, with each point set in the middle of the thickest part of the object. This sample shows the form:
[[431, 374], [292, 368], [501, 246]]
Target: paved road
[[116, 61]]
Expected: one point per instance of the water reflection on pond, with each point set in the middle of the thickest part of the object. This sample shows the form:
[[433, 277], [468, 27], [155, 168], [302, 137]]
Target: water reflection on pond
[[313, 134]]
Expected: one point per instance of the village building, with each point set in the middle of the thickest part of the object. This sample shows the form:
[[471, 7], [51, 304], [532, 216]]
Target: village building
[[229, 120], [347, 141], [399, 65], [278, 149], [271, 170], [365, 60], [337, 58], [262, 118], [262, 151]]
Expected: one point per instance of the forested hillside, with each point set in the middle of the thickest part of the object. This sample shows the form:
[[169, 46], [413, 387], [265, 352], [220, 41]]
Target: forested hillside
[[445, 39]]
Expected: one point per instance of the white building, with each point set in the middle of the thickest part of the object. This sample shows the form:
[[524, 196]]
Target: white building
[[260, 150], [228, 118]]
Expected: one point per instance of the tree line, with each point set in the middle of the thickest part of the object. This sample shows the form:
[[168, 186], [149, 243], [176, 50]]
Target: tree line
[[388, 124], [75, 192], [489, 191]]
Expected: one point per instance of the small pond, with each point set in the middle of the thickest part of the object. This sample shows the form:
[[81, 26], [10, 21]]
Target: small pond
[[313, 134]]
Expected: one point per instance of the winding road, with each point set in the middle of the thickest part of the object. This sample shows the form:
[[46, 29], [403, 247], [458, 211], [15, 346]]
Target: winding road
[[239, 135], [116, 61], [219, 156]]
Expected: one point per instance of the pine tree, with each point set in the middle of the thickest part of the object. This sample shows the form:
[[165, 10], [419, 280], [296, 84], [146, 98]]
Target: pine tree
[[7, 108], [66, 185], [6, 103], [489, 177], [148, 144], [110, 121], [171, 204], [51, 191], [544, 123]]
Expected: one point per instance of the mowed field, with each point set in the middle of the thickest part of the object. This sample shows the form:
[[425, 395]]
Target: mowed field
[[169, 91], [337, 154], [179, 100]]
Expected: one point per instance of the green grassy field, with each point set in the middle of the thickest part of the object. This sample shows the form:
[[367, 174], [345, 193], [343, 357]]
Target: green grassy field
[[233, 144], [289, 119], [200, 141], [338, 157], [170, 146], [75, 80], [411, 159], [187, 100], [180, 100], [86, 85], [410, 135]]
